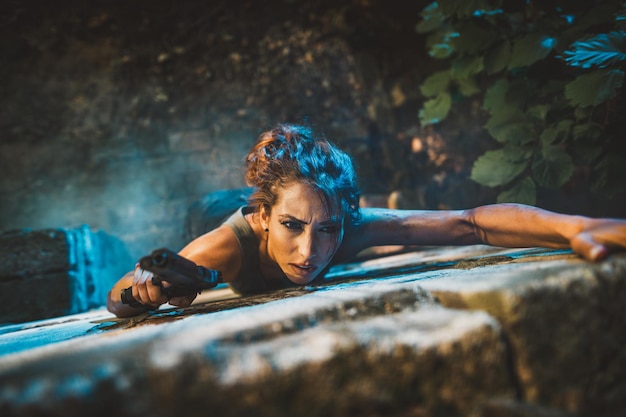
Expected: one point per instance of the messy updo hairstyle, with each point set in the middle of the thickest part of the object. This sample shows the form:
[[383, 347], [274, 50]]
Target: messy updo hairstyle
[[289, 153]]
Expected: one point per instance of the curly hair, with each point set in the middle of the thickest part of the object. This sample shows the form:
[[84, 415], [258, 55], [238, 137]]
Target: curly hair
[[290, 153]]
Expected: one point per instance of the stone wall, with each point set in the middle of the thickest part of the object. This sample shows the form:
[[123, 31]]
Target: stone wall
[[56, 272], [120, 115]]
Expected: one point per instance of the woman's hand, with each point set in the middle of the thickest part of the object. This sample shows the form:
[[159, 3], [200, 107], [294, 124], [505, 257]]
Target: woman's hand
[[147, 293], [144, 291], [601, 237]]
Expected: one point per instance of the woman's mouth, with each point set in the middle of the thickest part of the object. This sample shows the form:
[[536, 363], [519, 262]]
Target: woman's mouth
[[304, 268], [302, 271]]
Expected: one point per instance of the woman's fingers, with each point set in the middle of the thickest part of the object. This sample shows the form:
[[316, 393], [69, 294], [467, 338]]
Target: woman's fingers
[[155, 293], [585, 245], [144, 290], [603, 237], [148, 293]]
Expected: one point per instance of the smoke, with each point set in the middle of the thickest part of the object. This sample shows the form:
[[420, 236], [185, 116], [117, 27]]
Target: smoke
[[136, 192]]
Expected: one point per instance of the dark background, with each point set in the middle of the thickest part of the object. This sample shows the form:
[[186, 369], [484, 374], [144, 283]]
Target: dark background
[[120, 114]]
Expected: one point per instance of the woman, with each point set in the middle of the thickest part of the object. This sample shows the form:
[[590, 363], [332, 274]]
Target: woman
[[304, 215]]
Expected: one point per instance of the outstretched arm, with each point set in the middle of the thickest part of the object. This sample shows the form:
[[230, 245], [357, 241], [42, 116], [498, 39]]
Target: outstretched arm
[[515, 225], [217, 250], [508, 225]]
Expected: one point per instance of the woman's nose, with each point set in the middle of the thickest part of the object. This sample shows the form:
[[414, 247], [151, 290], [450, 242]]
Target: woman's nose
[[306, 246]]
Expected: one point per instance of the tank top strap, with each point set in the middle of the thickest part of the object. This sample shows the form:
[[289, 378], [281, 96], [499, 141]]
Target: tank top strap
[[249, 279]]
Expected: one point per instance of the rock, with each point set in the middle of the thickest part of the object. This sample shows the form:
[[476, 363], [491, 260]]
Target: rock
[[366, 349], [471, 331], [55, 272], [564, 320], [506, 407]]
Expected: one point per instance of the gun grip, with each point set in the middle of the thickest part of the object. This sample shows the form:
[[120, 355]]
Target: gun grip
[[127, 294], [127, 298]]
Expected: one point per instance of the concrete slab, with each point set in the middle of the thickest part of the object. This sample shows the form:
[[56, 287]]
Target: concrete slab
[[444, 331], [565, 322], [383, 348]]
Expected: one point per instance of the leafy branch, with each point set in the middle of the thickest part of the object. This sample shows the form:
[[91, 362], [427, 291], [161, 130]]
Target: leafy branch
[[551, 81]]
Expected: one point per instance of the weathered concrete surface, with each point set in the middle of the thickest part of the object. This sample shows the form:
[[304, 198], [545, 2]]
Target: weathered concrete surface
[[470, 331], [334, 352], [55, 272], [566, 315]]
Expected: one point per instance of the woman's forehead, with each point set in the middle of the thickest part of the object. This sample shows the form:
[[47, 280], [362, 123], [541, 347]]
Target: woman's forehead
[[300, 200]]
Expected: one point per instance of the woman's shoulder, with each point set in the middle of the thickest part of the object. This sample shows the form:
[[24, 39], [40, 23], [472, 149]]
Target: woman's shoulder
[[218, 249], [376, 227]]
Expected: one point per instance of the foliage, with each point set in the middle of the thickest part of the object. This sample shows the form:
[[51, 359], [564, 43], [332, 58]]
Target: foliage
[[550, 76]]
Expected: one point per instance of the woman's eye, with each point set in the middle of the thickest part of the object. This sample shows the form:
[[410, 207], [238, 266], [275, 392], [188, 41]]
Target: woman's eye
[[292, 225], [330, 229]]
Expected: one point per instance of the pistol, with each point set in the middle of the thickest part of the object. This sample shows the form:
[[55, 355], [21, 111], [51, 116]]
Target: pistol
[[183, 275]]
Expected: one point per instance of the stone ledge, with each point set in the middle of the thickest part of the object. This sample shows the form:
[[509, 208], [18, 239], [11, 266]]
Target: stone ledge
[[564, 320], [425, 359], [383, 344], [363, 337]]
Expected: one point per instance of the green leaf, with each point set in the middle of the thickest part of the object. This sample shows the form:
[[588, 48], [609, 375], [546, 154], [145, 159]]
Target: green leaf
[[472, 38], [519, 133], [468, 87], [509, 125], [600, 15], [594, 88], [540, 111], [436, 109], [548, 136], [500, 167], [553, 167], [523, 191], [441, 51], [582, 113], [531, 48], [439, 43], [498, 57], [495, 97], [448, 7], [469, 8], [432, 18], [556, 133], [436, 83], [521, 91], [467, 66], [601, 51], [587, 132]]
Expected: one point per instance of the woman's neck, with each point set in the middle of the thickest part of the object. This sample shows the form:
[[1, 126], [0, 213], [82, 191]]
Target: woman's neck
[[268, 268]]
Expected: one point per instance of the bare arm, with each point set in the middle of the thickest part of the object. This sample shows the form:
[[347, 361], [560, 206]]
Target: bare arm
[[382, 227], [508, 225], [516, 225], [217, 250]]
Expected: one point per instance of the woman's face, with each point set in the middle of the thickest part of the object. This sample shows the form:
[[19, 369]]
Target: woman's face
[[302, 235]]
